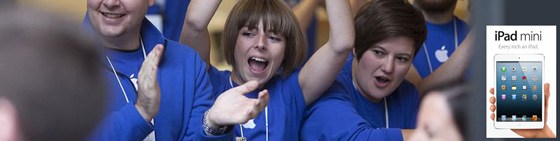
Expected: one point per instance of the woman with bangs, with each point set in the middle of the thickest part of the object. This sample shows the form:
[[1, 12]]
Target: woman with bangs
[[265, 46]]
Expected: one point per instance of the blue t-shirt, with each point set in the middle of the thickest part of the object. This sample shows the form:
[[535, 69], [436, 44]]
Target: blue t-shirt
[[184, 86], [439, 45], [173, 14], [345, 114], [128, 62], [285, 107]]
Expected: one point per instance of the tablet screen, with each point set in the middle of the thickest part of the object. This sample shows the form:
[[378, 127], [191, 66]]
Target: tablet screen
[[519, 91]]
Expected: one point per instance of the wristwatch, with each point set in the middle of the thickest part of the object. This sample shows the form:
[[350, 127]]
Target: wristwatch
[[220, 130]]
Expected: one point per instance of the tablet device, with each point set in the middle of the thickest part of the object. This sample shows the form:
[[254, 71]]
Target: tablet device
[[519, 91]]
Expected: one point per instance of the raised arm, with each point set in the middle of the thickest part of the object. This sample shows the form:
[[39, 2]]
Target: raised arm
[[195, 29], [323, 67], [355, 5]]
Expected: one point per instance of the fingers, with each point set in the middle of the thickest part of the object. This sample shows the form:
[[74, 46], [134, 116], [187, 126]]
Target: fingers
[[263, 99], [246, 88], [546, 96], [148, 99], [149, 67], [152, 60], [259, 104], [546, 92], [492, 101]]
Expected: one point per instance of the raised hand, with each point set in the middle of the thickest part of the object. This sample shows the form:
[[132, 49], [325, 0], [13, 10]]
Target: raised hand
[[148, 99], [233, 107]]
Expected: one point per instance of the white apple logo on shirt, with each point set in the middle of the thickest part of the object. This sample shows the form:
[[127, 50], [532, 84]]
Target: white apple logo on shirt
[[441, 54], [250, 124], [134, 81]]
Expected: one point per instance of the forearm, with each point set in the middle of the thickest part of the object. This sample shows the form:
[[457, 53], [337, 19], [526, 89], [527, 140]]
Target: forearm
[[322, 68], [200, 42], [199, 13], [413, 76], [341, 33], [320, 72], [202, 101], [453, 69], [195, 27], [304, 11], [123, 124]]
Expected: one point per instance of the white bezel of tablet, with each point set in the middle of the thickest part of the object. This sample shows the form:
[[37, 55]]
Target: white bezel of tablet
[[519, 57]]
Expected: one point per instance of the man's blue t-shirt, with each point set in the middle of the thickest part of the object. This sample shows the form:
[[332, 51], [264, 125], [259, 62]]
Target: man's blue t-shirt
[[184, 86], [439, 45]]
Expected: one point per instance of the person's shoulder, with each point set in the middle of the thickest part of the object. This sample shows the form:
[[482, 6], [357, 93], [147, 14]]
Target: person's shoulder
[[220, 79], [339, 91], [344, 77], [178, 54], [462, 24], [347, 67], [219, 75], [176, 48]]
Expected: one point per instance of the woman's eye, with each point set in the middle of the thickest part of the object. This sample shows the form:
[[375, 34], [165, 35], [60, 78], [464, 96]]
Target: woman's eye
[[247, 34], [377, 52], [402, 59], [274, 38]]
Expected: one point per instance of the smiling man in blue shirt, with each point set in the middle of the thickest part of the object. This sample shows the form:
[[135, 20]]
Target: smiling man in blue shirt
[[159, 89]]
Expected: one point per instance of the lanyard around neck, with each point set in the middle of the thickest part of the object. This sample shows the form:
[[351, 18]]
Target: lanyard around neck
[[456, 45], [115, 72], [265, 118]]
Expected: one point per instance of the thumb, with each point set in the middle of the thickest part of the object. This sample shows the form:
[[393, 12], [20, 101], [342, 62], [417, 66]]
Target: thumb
[[546, 95], [246, 88]]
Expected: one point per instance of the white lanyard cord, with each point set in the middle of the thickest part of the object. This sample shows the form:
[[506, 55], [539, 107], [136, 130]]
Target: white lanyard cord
[[386, 113], [118, 80], [265, 117], [115, 72], [266, 121], [385, 102], [456, 45]]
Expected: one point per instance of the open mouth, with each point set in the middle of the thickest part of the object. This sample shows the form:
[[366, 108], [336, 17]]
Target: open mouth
[[381, 81], [257, 65]]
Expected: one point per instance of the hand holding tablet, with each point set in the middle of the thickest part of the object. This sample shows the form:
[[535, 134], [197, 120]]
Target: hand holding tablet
[[519, 91], [545, 132]]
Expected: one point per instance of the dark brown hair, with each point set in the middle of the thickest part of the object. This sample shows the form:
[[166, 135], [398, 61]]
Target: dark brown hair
[[278, 18], [378, 20]]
